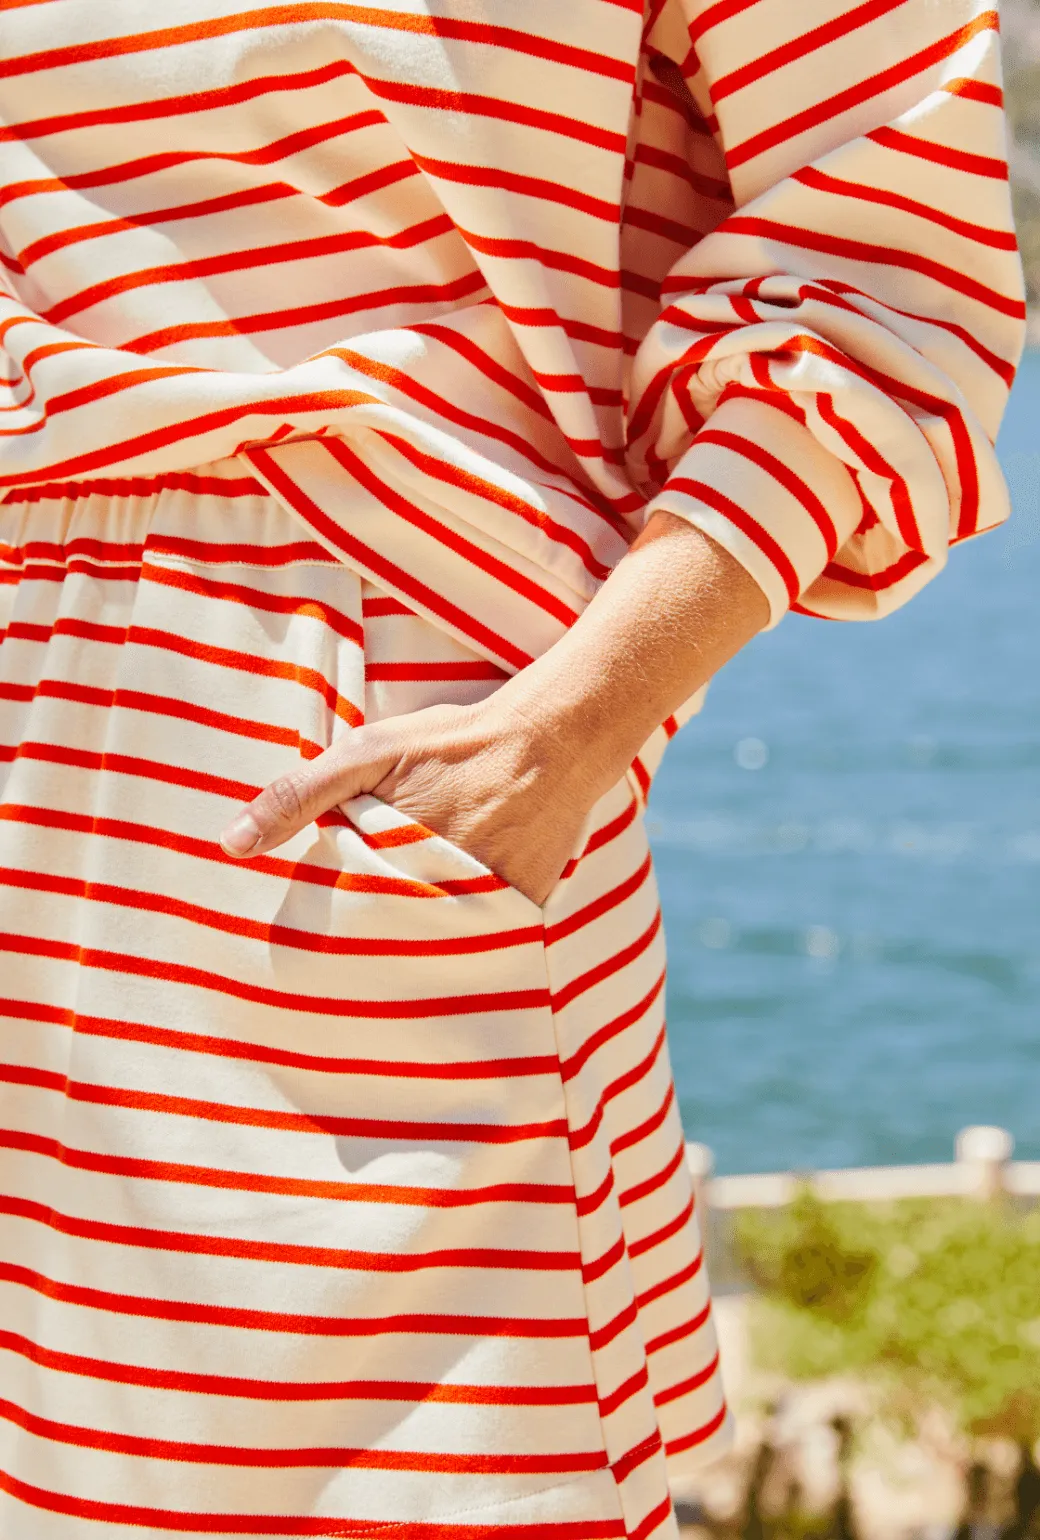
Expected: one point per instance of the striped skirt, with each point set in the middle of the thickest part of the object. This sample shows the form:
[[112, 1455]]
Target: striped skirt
[[341, 1191]]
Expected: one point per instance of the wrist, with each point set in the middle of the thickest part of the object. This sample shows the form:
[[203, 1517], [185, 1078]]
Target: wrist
[[577, 735]]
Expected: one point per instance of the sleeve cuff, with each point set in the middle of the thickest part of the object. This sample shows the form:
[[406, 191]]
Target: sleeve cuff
[[760, 484]]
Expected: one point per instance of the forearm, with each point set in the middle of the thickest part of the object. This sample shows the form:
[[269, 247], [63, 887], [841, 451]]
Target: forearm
[[673, 611]]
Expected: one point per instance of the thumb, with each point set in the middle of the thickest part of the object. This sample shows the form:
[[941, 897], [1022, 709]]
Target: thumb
[[353, 765]]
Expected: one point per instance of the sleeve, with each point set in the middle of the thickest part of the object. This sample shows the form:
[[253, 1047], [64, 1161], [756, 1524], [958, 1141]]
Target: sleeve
[[822, 387]]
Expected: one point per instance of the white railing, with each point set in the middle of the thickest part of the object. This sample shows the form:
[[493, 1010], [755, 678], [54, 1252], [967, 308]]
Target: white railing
[[982, 1168]]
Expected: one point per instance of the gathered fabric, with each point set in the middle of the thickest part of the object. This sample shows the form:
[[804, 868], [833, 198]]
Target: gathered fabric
[[345, 1188]]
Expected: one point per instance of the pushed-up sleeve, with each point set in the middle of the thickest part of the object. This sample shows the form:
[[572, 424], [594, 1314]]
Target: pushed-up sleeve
[[822, 387]]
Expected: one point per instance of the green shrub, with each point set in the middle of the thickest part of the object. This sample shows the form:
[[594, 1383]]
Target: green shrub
[[936, 1300]]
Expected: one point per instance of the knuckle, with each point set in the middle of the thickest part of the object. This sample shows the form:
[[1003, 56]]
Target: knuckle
[[285, 799]]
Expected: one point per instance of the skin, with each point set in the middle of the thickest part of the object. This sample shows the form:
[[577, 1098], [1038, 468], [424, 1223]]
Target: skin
[[512, 778]]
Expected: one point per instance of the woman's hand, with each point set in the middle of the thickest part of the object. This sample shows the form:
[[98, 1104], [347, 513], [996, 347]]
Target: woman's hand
[[512, 779], [508, 791]]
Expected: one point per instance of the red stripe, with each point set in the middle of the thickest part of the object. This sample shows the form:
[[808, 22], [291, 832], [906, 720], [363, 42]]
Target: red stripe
[[691, 1440], [99, 390], [642, 777], [169, 160], [258, 598], [85, 1025], [575, 1062], [169, 706], [767, 393], [52, 573], [453, 475], [284, 1122], [688, 1386], [599, 906], [822, 181], [675, 97], [662, 160], [118, 764], [378, 608], [183, 1521], [878, 256], [669, 1285], [466, 287], [142, 486], [799, 47], [636, 1073], [975, 91], [748, 526], [590, 1271], [689, 1328], [491, 368], [31, 359], [897, 390], [234, 1317], [222, 657], [466, 174], [603, 836], [209, 850], [654, 1182], [641, 1131], [623, 1468], [830, 292], [872, 458], [267, 1457], [448, 410], [22, 631], [665, 229], [282, 1186], [863, 91], [662, 1514], [715, 15], [369, 182], [518, 250], [414, 1391], [248, 663], [572, 327], [608, 967], [580, 1138], [246, 197], [876, 582], [940, 154], [385, 673], [286, 1253], [665, 1232], [391, 1009], [554, 124], [325, 402], [788, 479], [387, 571], [336, 244], [600, 1338], [631, 1387], [217, 552], [455, 28], [174, 106]]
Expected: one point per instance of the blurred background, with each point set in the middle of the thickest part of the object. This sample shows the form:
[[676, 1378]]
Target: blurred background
[[848, 848]]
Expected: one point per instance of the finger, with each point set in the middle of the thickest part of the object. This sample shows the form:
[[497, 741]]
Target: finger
[[352, 766]]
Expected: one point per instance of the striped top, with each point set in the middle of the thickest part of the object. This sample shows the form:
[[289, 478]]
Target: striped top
[[501, 272]]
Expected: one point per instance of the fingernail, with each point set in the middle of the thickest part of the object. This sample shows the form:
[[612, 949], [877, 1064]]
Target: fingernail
[[241, 835]]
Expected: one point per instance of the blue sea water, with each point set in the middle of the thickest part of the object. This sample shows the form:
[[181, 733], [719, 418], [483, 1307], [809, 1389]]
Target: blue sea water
[[848, 848]]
